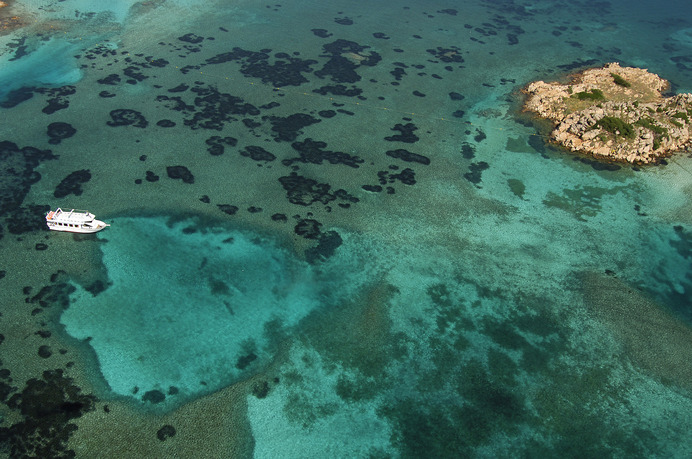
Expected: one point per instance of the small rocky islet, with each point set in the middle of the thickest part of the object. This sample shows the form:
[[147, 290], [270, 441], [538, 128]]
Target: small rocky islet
[[614, 113]]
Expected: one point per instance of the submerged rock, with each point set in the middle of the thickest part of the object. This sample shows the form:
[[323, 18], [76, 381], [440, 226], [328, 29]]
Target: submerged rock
[[48, 405], [180, 172], [408, 156], [72, 184], [165, 432], [58, 131], [127, 117]]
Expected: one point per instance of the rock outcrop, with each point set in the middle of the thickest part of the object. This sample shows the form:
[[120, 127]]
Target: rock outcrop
[[614, 113]]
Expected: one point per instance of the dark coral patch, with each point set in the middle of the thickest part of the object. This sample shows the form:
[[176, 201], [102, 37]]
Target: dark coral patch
[[165, 123], [475, 171], [339, 90], [447, 55], [58, 131], [17, 96], [180, 172], [44, 351], [406, 133], [398, 73], [182, 87], [322, 33], [326, 247], [216, 144], [47, 406], [598, 165], [406, 176], [18, 173], [260, 389], [175, 103], [257, 153], [191, 38], [308, 228], [165, 432], [289, 128], [154, 396], [57, 98], [228, 208], [304, 191], [127, 117], [313, 152], [215, 108], [408, 156], [245, 360], [468, 151], [341, 69], [72, 184], [26, 219], [285, 70], [112, 79]]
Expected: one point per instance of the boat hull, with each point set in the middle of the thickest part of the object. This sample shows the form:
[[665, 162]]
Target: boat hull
[[93, 227]]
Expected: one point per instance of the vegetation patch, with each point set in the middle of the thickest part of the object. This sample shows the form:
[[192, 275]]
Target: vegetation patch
[[594, 94], [616, 126], [681, 116], [658, 131], [620, 81], [649, 124]]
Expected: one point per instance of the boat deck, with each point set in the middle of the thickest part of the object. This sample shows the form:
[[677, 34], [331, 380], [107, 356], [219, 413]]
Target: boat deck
[[71, 216]]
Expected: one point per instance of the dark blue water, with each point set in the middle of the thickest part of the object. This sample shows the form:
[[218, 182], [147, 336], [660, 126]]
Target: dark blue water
[[334, 234]]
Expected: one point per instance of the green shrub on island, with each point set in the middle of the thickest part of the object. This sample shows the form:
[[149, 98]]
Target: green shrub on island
[[616, 126], [682, 116], [648, 123], [594, 94], [620, 81], [676, 123]]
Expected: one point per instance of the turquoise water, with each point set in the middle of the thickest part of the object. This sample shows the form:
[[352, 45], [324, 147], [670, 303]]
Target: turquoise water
[[333, 234]]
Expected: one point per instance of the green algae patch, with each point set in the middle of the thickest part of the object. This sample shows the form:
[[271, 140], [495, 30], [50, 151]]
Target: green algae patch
[[518, 145], [517, 187], [581, 202]]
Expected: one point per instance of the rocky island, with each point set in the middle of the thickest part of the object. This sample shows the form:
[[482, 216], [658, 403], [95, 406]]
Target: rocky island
[[614, 113]]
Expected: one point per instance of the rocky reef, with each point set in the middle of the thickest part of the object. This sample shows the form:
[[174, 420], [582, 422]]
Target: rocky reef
[[614, 113]]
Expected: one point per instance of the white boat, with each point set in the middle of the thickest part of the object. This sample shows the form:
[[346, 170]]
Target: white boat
[[75, 221]]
